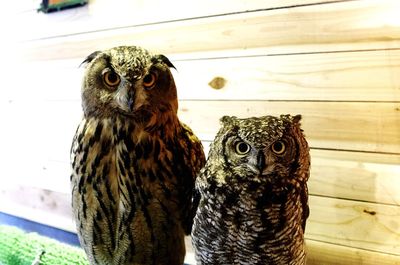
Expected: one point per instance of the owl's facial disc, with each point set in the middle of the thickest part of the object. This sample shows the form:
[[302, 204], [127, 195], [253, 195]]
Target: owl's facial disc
[[124, 93], [130, 93]]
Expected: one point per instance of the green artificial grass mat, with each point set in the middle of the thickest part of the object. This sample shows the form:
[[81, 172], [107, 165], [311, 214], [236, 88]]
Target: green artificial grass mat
[[18, 247]]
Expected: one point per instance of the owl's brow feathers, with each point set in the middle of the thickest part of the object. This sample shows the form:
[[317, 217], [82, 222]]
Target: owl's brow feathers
[[155, 59], [256, 129]]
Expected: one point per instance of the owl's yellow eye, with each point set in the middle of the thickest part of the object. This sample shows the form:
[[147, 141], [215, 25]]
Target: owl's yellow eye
[[278, 147], [111, 78], [149, 80], [242, 148]]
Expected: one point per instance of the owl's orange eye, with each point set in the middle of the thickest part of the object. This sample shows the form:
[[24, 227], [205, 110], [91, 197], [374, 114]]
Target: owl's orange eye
[[111, 78], [149, 80], [278, 147]]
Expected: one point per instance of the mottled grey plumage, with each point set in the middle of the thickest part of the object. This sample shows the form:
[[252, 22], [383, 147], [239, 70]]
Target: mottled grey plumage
[[133, 162], [254, 198]]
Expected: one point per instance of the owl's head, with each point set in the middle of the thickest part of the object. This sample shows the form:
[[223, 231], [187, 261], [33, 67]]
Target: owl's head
[[260, 150], [127, 80]]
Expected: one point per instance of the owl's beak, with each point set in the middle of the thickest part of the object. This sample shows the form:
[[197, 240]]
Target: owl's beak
[[261, 161], [126, 97], [131, 99]]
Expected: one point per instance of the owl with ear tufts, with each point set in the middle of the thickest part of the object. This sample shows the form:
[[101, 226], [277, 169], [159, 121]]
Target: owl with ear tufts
[[133, 162], [254, 198]]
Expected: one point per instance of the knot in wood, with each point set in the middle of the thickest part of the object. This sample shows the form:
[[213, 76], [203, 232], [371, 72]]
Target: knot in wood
[[217, 82]]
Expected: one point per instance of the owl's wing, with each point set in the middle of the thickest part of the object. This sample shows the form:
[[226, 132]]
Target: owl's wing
[[194, 159]]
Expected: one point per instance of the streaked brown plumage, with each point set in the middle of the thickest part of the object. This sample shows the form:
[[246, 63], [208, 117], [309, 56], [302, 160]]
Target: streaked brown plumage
[[133, 162], [254, 197]]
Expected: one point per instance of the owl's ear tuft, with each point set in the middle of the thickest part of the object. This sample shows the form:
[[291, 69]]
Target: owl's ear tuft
[[297, 118], [228, 119], [89, 58], [163, 59]]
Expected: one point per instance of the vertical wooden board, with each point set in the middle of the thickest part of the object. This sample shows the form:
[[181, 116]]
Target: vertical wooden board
[[369, 226]]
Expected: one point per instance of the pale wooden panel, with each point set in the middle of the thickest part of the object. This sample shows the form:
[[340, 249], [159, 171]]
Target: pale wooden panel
[[347, 76], [362, 225], [350, 175], [43, 80], [38, 205], [330, 254], [36, 138], [357, 76], [371, 158], [340, 26], [103, 14], [371, 127]]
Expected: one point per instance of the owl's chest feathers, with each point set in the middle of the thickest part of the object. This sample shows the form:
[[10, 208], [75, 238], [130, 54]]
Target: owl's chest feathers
[[129, 164], [258, 223], [254, 226], [260, 212]]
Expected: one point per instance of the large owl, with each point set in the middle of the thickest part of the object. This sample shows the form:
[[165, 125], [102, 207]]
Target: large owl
[[134, 163], [254, 198]]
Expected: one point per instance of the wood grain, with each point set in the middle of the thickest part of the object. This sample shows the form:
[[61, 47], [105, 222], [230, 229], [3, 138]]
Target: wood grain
[[39, 205], [331, 254], [346, 76], [373, 127], [352, 25], [362, 225], [103, 14], [349, 175]]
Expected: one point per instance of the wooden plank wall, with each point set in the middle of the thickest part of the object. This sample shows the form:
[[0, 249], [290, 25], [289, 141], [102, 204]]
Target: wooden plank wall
[[335, 62]]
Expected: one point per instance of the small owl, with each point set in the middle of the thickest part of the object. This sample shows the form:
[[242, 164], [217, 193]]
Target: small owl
[[254, 197], [134, 163]]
